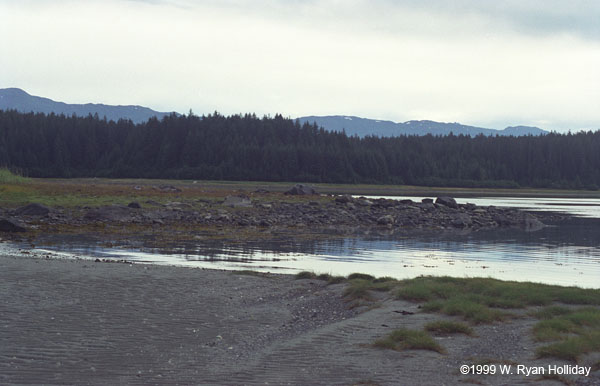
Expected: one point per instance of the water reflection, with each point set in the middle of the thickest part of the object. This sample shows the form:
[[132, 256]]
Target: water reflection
[[567, 254]]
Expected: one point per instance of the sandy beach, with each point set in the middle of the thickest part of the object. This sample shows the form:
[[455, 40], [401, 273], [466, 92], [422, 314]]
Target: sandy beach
[[79, 322]]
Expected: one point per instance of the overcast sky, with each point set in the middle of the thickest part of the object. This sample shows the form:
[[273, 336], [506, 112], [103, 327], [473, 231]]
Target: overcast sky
[[480, 62]]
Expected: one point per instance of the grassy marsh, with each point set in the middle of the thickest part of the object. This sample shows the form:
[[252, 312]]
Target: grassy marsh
[[569, 322]]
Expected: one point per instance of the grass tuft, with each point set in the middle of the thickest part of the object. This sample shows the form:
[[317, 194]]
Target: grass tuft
[[405, 339], [448, 327], [571, 348], [362, 276], [306, 275], [358, 289]]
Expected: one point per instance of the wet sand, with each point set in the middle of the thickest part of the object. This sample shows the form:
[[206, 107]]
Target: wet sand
[[77, 322]]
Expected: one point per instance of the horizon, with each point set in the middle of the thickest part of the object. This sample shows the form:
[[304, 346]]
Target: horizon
[[480, 64], [291, 117]]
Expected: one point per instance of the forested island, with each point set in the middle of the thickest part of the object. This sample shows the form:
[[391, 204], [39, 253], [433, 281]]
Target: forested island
[[245, 147]]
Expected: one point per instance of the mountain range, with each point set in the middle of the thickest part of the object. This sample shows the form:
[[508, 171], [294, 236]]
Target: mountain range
[[363, 127], [17, 99]]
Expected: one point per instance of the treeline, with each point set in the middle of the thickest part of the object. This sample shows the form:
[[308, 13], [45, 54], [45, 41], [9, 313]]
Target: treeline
[[278, 149]]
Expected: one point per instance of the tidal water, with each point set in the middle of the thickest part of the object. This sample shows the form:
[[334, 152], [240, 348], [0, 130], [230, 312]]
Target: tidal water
[[567, 253]]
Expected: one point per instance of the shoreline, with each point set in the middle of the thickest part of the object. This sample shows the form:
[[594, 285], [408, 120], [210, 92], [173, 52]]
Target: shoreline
[[80, 322]]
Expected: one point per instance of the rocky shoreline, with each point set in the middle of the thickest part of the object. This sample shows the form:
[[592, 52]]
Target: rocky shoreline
[[264, 210]]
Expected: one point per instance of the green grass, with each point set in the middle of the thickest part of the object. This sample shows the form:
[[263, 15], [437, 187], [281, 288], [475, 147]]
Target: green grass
[[362, 276], [480, 300], [358, 289], [574, 332], [405, 339], [448, 327], [306, 275], [8, 177], [572, 348]]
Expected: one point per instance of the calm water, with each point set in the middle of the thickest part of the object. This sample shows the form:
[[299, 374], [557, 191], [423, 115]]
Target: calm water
[[566, 254]]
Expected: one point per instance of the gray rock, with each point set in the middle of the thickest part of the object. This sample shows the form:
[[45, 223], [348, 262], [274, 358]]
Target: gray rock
[[362, 201], [461, 220], [237, 202], [109, 213], [134, 205], [427, 201], [301, 190], [32, 210], [10, 226], [502, 220], [385, 220], [530, 223], [177, 205], [406, 202], [447, 201], [343, 199]]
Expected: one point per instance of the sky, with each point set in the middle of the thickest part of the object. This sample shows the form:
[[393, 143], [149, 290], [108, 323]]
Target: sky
[[487, 63]]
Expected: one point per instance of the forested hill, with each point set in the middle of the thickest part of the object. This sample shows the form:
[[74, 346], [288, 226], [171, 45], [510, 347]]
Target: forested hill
[[279, 149]]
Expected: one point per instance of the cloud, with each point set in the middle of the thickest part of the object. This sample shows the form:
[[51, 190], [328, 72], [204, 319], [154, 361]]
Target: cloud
[[539, 17], [466, 61]]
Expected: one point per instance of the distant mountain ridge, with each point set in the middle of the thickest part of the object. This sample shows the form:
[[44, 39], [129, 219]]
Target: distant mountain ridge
[[363, 127], [17, 99]]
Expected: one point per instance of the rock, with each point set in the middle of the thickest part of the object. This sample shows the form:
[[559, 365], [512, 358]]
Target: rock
[[152, 202], [406, 202], [428, 206], [502, 220], [237, 202], [261, 191], [10, 226], [447, 201], [343, 199], [168, 188], [362, 201], [531, 223], [385, 220], [32, 210], [461, 220], [301, 190], [134, 205], [177, 205], [109, 213], [427, 201]]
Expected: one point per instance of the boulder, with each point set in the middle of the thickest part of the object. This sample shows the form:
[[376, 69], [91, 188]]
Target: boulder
[[461, 220], [406, 202], [427, 201], [301, 190], [10, 226], [32, 210], [134, 205], [530, 223], [447, 201], [343, 199], [385, 220], [237, 202]]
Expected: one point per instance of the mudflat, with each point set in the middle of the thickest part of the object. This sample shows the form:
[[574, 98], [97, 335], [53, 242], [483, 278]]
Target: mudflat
[[79, 322]]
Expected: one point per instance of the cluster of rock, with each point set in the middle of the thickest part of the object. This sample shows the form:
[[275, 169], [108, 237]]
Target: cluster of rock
[[337, 211]]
